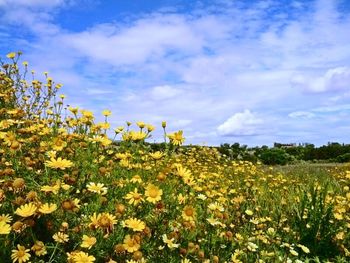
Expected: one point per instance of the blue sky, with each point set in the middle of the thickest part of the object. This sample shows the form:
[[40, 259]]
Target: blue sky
[[254, 72]]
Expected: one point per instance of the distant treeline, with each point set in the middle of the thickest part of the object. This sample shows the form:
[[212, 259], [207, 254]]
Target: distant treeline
[[288, 153], [279, 154]]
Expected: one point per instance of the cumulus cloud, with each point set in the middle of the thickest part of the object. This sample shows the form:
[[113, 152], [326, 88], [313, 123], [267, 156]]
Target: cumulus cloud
[[241, 124], [334, 80], [146, 39]]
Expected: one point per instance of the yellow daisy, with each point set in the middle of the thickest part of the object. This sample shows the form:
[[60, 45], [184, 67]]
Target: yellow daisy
[[5, 218], [60, 237], [131, 244], [134, 224], [188, 213], [20, 254], [4, 228], [59, 163], [82, 257], [134, 197], [39, 248], [176, 138], [26, 210], [88, 242], [47, 208], [98, 188], [153, 193]]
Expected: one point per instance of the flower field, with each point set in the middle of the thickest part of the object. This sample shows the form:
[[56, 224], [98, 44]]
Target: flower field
[[69, 193]]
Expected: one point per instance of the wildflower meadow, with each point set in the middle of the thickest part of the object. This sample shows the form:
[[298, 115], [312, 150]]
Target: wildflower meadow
[[70, 192]]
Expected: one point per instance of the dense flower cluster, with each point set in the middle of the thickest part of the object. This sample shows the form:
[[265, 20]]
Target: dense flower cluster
[[69, 193]]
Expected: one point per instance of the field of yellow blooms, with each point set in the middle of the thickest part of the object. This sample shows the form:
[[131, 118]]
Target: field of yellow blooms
[[68, 193]]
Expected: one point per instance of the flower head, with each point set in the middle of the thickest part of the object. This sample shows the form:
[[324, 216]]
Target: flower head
[[20, 254], [82, 257], [134, 197], [169, 242], [59, 163], [153, 193], [4, 228], [88, 242], [60, 237], [11, 55], [47, 208], [188, 213], [26, 210], [106, 113], [39, 248], [176, 138], [98, 188], [131, 244], [135, 224]]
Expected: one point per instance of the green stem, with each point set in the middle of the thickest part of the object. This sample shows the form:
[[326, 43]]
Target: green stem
[[53, 253]]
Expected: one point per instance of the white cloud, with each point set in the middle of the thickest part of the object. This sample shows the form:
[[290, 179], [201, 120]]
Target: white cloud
[[178, 124], [241, 124], [163, 92], [335, 80], [32, 3], [301, 114], [146, 39]]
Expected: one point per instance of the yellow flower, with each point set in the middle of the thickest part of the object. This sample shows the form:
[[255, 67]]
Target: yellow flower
[[153, 193], [170, 242], [188, 213], [137, 136], [135, 224], [249, 212], [47, 208], [106, 113], [150, 128], [304, 248], [87, 114], [141, 124], [176, 138], [20, 254], [60, 237], [39, 248], [26, 210], [11, 55], [131, 244], [4, 228], [183, 172], [58, 144], [6, 218], [88, 242], [53, 189], [97, 188], [101, 139], [134, 197], [213, 221], [156, 155], [59, 163], [293, 252], [82, 257], [118, 130], [73, 110], [136, 179], [104, 221], [338, 216]]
